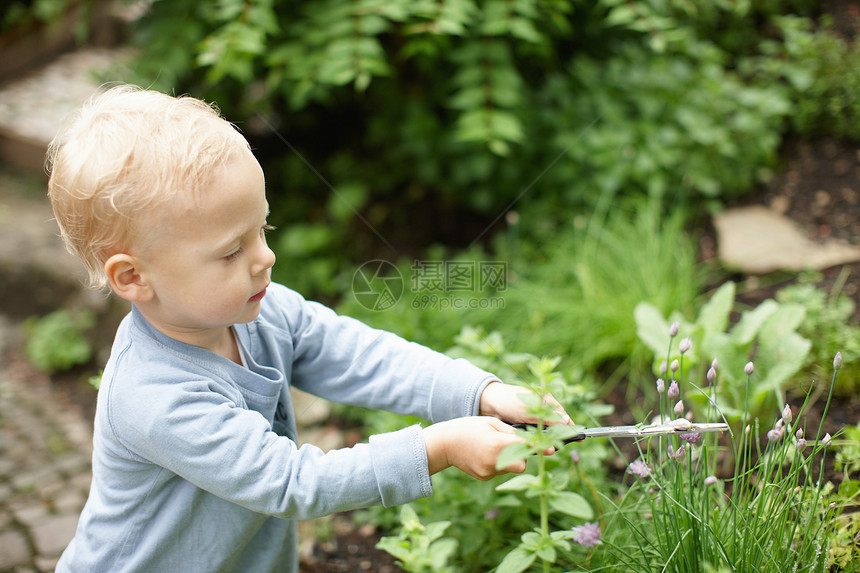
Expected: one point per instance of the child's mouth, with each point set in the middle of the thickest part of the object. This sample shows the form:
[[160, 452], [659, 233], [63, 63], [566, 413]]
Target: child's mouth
[[258, 297]]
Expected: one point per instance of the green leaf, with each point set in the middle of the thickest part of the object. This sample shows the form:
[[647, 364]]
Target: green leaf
[[714, 316], [512, 454], [572, 504], [519, 483], [516, 561]]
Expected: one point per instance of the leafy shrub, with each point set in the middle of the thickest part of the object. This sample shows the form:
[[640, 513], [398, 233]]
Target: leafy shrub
[[58, 341], [478, 513], [767, 333], [470, 104], [823, 72], [828, 326]]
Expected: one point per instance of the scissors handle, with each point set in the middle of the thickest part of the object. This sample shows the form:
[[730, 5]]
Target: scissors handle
[[577, 438]]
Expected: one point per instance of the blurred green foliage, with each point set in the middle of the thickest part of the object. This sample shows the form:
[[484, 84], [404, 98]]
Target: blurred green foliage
[[58, 341], [376, 120]]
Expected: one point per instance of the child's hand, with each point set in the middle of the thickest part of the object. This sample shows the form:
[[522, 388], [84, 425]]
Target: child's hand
[[471, 444], [503, 402]]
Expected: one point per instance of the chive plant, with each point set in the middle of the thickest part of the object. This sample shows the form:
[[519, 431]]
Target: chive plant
[[680, 515]]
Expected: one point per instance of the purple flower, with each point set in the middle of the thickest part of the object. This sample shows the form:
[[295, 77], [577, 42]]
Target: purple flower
[[491, 514], [639, 468], [801, 444], [799, 433], [680, 454], [749, 368], [679, 409], [715, 364], [587, 535], [694, 438], [685, 345], [837, 361], [673, 391], [673, 329], [574, 456], [825, 441], [710, 480], [661, 385]]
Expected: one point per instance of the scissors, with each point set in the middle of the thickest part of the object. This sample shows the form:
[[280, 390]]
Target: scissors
[[675, 427]]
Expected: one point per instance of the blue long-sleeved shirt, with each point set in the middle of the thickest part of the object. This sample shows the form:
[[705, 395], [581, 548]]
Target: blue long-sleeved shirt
[[195, 463]]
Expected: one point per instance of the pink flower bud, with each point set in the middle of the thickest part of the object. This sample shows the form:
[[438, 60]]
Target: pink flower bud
[[715, 364], [712, 374], [837, 361], [679, 409], [749, 368], [674, 366], [775, 435], [685, 345], [574, 456], [801, 444], [825, 442], [663, 368], [710, 480], [673, 329], [799, 433], [661, 385], [786, 414], [673, 391]]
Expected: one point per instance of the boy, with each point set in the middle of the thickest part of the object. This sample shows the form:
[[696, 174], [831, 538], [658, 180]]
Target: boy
[[195, 464]]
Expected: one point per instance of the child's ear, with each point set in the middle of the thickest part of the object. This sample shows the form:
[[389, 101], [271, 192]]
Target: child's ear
[[124, 276]]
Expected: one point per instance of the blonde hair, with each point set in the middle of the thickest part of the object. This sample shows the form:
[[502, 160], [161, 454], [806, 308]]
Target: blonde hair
[[124, 153]]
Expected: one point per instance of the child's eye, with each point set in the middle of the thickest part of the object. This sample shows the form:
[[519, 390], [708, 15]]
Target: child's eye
[[234, 255]]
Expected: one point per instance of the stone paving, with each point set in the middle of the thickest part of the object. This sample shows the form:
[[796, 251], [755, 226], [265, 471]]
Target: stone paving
[[45, 450]]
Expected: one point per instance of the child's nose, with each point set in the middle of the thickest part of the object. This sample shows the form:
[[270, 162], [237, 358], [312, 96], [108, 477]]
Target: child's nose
[[265, 259]]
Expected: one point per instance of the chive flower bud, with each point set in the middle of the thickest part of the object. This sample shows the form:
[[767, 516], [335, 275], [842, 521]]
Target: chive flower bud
[[663, 367], [673, 329], [837, 361], [710, 480], [574, 456], [679, 409], [715, 364], [685, 345], [776, 434], [826, 440], [799, 433], [801, 444], [661, 385], [673, 391], [786, 414], [749, 368], [712, 374], [674, 366]]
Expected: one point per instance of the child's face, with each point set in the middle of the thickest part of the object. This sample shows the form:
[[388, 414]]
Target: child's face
[[208, 263]]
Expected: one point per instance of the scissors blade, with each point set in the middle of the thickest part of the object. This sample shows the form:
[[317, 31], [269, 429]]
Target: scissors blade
[[654, 430], [639, 431]]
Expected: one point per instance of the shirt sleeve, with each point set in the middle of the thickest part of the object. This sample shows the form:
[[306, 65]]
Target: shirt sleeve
[[210, 441], [346, 361]]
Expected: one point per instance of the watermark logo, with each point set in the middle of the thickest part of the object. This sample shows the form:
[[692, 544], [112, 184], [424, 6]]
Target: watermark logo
[[377, 285], [443, 285]]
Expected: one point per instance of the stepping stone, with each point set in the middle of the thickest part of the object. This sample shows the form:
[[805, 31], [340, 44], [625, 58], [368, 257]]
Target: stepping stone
[[758, 240]]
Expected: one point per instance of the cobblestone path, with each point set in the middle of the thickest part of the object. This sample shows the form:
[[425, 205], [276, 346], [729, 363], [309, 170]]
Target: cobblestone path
[[45, 451]]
